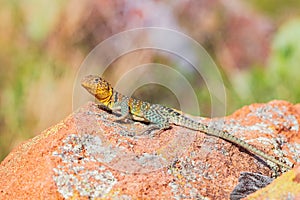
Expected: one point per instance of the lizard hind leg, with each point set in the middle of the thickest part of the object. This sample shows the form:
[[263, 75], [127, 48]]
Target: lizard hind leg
[[158, 121], [155, 129], [155, 115]]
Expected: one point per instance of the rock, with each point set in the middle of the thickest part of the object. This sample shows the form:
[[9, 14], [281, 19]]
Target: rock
[[88, 155], [285, 187], [249, 183]]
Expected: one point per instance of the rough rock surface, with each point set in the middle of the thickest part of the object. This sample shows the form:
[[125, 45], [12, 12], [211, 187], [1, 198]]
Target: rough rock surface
[[88, 156], [285, 187]]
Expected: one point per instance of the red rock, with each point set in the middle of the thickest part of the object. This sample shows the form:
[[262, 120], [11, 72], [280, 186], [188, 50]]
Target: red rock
[[88, 156]]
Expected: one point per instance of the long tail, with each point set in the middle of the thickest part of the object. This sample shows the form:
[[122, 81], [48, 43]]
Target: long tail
[[231, 138], [191, 124]]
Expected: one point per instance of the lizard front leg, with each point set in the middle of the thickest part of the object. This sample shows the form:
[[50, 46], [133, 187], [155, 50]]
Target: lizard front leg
[[123, 106]]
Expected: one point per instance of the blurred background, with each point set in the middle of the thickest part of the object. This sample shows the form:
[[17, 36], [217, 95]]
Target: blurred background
[[255, 44]]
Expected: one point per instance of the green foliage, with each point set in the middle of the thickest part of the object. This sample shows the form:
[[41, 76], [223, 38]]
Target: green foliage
[[283, 68], [24, 75], [276, 8], [280, 79], [284, 60], [23, 61]]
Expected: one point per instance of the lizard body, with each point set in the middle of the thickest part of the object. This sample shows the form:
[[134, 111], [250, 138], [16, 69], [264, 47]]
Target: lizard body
[[160, 116]]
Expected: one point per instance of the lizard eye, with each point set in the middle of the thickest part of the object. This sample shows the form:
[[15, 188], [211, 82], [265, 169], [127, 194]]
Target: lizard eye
[[96, 79]]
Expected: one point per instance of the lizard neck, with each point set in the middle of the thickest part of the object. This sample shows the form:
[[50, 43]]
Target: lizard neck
[[115, 97], [107, 99]]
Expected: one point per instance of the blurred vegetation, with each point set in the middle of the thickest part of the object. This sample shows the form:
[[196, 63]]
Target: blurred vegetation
[[42, 44], [31, 77], [277, 9], [280, 78]]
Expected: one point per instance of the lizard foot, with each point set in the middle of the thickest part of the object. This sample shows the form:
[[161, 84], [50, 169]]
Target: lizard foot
[[151, 130]]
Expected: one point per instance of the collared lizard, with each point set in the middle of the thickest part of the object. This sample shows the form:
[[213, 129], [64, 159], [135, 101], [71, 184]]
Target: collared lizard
[[159, 116]]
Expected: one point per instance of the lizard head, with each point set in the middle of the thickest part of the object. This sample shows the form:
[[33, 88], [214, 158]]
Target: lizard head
[[98, 87]]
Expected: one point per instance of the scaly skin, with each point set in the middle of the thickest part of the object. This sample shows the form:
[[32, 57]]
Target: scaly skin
[[160, 116]]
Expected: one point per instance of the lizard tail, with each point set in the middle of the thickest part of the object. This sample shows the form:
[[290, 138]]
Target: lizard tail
[[231, 138], [188, 123]]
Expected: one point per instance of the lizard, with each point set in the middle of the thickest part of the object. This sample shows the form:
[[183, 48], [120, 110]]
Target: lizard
[[161, 117]]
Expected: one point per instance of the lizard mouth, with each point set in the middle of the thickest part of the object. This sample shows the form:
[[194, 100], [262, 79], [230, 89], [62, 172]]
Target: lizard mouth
[[84, 84], [89, 84]]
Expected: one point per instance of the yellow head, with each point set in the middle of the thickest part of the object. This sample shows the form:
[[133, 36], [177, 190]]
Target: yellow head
[[98, 87]]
